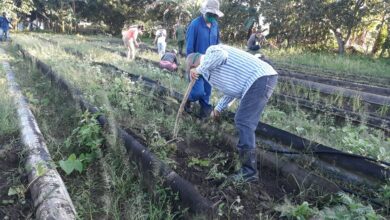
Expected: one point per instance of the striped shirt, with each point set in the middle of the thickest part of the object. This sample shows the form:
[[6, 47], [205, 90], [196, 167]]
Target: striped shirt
[[232, 72]]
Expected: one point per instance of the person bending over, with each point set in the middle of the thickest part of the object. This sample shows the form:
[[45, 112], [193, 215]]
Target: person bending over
[[238, 75]]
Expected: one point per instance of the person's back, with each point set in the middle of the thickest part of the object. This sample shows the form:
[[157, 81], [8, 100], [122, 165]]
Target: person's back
[[129, 38], [180, 33], [160, 38], [169, 61], [161, 35], [171, 57], [131, 33], [253, 42], [4, 26]]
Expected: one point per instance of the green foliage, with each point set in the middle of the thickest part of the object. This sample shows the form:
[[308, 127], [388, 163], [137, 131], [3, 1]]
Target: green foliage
[[299, 212], [198, 162], [122, 93], [71, 164], [384, 196], [349, 208], [85, 141], [15, 7]]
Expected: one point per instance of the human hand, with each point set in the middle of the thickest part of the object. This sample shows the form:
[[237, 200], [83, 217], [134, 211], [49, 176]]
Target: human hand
[[215, 114], [194, 74]]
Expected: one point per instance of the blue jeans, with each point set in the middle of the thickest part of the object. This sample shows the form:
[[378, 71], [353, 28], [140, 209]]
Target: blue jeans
[[201, 92], [161, 48], [249, 112]]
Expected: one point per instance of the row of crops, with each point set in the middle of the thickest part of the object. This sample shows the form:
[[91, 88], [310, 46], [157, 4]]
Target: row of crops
[[103, 161]]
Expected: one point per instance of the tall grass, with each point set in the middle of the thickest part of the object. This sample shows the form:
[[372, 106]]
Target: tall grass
[[358, 65], [8, 121]]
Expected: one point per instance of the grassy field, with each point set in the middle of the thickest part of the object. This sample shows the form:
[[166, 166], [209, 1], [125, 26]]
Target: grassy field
[[319, 128], [59, 120], [131, 107]]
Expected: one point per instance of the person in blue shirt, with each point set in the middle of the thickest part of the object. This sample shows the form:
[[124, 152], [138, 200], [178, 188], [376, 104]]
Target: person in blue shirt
[[4, 25], [202, 33]]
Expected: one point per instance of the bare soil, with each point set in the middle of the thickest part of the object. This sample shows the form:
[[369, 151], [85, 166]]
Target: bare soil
[[12, 177]]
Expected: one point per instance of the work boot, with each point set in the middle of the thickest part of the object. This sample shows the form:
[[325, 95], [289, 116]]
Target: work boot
[[205, 112], [187, 107], [248, 172]]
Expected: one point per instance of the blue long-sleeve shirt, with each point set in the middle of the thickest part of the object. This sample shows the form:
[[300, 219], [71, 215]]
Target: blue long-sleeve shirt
[[199, 37], [4, 23]]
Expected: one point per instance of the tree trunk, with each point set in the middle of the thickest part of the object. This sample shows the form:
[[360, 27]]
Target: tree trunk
[[377, 43], [340, 41]]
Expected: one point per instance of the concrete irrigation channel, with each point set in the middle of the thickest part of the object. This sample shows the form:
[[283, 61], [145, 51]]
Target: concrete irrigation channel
[[189, 196], [48, 191]]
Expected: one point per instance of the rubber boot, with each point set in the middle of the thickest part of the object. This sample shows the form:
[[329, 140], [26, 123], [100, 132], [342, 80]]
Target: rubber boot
[[248, 171], [188, 108], [205, 112]]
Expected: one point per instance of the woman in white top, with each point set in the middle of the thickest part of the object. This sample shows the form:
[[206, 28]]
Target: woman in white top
[[161, 35]]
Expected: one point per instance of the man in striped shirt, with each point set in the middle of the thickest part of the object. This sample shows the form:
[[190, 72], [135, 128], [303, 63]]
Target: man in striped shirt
[[238, 75]]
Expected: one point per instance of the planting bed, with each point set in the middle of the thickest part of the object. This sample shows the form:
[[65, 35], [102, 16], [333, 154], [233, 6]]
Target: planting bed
[[166, 80], [375, 115], [188, 152]]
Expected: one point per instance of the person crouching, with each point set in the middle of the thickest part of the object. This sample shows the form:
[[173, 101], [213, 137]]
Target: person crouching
[[169, 61]]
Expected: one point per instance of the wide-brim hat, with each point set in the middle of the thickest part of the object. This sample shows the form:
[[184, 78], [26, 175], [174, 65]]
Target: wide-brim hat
[[211, 6]]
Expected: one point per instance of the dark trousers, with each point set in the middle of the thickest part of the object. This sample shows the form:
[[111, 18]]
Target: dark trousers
[[249, 112], [180, 44], [254, 47]]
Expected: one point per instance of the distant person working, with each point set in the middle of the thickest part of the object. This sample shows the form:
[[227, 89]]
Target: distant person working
[[160, 39], [4, 27], [180, 32], [169, 61], [129, 38], [255, 41]]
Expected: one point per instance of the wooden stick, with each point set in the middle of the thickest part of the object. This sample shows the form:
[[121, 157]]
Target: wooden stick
[[181, 109]]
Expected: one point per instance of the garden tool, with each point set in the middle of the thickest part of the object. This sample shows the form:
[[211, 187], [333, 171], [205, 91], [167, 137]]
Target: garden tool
[[181, 108]]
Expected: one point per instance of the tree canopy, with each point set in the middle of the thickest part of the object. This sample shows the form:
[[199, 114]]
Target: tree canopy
[[318, 24]]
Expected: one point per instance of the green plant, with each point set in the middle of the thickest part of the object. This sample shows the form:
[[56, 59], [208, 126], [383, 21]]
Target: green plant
[[349, 208], [384, 196], [199, 162], [71, 164], [300, 212], [86, 141]]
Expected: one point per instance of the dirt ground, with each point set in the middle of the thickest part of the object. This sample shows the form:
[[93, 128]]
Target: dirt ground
[[14, 202], [234, 201]]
